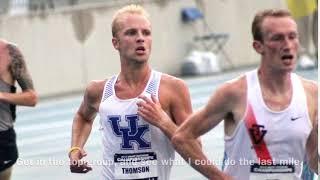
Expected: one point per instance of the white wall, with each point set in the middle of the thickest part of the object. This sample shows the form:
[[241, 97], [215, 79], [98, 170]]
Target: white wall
[[59, 63]]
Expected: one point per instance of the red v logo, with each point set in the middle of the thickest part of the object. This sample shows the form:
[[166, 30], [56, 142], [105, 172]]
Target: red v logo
[[257, 133]]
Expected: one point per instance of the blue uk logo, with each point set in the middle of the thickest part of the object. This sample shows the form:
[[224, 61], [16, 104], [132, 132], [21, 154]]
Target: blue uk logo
[[133, 133]]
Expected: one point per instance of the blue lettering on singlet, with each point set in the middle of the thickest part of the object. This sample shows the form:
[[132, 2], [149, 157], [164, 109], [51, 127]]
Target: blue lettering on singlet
[[133, 133]]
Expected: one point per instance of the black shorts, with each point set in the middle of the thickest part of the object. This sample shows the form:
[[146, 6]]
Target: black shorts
[[8, 149]]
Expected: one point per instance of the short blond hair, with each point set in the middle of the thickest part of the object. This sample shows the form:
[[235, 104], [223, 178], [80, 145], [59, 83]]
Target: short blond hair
[[129, 9]]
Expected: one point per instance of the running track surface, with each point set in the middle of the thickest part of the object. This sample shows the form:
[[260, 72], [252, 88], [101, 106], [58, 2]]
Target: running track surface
[[44, 135]]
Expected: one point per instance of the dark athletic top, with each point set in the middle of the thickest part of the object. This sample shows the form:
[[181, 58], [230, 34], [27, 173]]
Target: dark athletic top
[[7, 111]]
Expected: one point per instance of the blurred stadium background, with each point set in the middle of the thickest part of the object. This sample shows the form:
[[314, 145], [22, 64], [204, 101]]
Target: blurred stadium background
[[67, 43]]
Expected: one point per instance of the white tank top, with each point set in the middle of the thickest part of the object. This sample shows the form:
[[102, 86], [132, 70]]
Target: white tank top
[[132, 148], [269, 144]]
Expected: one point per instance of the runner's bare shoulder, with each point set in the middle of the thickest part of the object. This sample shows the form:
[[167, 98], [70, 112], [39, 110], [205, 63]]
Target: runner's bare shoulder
[[173, 83], [235, 88], [310, 86], [94, 90]]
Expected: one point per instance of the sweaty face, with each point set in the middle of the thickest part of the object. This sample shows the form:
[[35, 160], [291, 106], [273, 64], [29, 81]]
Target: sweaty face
[[280, 43], [133, 39]]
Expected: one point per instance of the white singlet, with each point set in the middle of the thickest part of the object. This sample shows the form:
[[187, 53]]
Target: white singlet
[[269, 144], [132, 148]]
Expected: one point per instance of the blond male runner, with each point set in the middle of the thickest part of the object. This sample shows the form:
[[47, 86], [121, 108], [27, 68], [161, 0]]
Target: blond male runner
[[133, 148]]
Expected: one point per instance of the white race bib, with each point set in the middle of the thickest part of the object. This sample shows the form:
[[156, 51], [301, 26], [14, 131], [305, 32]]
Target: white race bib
[[136, 166], [272, 172]]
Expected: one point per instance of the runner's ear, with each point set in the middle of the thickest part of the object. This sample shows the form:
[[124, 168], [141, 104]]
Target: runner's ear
[[258, 46]]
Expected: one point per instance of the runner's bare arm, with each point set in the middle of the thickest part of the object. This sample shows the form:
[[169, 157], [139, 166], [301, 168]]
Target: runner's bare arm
[[82, 125], [184, 140], [19, 72], [181, 107], [312, 143], [83, 120]]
